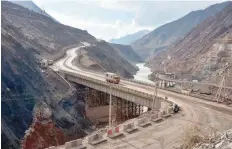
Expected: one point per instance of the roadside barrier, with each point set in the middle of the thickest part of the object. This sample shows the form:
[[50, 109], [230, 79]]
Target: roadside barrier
[[75, 143], [170, 110], [164, 114], [114, 132], [96, 139], [156, 118], [143, 122], [51, 147], [130, 127]]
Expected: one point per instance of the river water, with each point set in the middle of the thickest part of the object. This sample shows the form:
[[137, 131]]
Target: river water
[[143, 73]]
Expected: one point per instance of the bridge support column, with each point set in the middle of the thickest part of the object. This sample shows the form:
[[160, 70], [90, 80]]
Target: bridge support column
[[126, 110]]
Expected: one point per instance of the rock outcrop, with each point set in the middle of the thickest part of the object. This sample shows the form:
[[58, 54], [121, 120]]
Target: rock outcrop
[[42, 133], [222, 141]]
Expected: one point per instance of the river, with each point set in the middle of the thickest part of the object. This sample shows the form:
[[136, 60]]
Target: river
[[143, 73]]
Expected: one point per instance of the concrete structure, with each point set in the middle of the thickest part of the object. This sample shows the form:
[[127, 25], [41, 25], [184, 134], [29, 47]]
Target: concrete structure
[[96, 139], [120, 91]]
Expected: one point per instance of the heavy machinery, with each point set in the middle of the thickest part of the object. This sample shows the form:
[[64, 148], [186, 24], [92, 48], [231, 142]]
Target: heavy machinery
[[112, 78]]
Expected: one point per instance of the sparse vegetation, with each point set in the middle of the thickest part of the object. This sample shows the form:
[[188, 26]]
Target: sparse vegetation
[[197, 134]]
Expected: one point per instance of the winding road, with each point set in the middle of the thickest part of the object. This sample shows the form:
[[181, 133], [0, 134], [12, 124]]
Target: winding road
[[169, 133]]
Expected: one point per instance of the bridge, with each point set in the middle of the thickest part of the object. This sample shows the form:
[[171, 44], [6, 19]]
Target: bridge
[[195, 111], [127, 89]]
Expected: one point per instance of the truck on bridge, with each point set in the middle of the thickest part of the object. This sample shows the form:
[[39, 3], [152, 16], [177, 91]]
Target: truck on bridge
[[112, 78]]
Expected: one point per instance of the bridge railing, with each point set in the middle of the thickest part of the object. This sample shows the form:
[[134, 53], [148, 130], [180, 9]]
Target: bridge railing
[[172, 90], [136, 92], [117, 87]]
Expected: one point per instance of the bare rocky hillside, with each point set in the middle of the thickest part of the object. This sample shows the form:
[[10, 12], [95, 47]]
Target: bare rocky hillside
[[50, 37], [162, 37], [205, 52], [27, 36], [25, 85]]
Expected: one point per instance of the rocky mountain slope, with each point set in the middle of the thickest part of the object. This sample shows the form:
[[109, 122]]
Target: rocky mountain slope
[[27, 36], [32, 6], [127, 52], [128, 39], [51, 37], [24, 86], [162, 37], [205, 52], [42, 133]]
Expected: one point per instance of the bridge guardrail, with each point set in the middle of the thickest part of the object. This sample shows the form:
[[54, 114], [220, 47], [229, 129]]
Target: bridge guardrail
[[171, 90], [124, 89], [127, 127]]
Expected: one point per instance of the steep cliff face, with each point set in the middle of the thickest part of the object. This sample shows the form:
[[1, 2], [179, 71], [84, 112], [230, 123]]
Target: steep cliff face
[[22, 85], [42, 133], [162, 37], [205, 52]]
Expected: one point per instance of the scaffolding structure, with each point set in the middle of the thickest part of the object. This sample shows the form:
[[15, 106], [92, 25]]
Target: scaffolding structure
[[124, 109]]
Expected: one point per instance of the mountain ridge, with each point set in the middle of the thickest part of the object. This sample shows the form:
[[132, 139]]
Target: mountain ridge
[[205, 52], [32, 6], [128, 39], [162, 37]]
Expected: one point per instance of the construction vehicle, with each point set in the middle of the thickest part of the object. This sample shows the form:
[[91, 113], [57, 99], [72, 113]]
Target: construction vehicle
[[112, 78]]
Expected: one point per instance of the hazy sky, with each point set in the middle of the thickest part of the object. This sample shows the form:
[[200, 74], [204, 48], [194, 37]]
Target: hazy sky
[[112, 19]]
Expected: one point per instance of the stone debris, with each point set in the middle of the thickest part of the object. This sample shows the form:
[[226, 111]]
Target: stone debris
[[222, 141]]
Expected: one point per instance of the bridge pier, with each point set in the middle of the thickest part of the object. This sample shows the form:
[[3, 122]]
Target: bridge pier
[[95, 101], [128, 100], [126, 109], [95, 98]]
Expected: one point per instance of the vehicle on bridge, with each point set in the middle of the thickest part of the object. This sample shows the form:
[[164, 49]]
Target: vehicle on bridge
[[112, 78]]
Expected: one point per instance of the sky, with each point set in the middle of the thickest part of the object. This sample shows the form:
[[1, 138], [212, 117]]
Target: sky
[[107, 19]]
